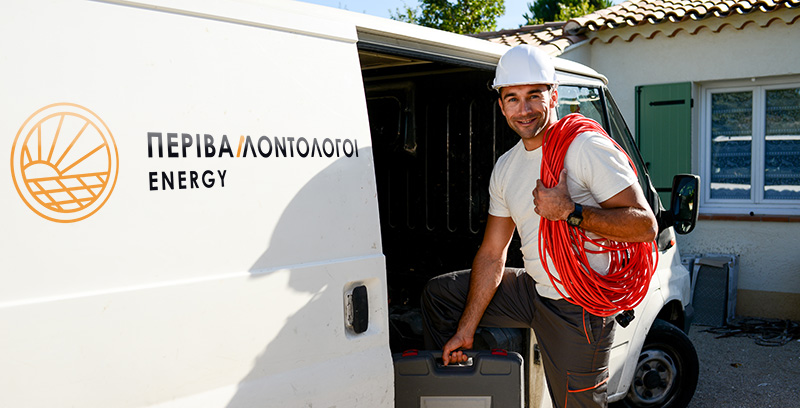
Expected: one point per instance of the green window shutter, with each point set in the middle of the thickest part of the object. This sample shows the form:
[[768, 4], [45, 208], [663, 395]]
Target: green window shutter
[[664, 132]]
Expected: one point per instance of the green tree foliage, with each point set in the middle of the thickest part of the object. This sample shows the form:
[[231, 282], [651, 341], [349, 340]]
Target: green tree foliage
[[458, 16], [542, 11]]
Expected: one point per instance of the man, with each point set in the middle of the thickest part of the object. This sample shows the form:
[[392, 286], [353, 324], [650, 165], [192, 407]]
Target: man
[[597, 185]]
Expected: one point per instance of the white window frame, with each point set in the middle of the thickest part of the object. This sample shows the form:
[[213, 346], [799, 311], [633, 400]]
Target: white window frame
[[757, 204]]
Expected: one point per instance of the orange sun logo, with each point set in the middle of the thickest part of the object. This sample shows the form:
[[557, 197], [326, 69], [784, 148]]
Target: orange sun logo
[[64, 162]]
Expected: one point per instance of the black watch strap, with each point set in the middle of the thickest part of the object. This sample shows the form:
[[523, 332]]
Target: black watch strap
[[576, 217]]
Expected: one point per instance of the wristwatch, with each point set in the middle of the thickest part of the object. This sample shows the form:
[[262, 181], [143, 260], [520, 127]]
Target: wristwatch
[[576, 217]]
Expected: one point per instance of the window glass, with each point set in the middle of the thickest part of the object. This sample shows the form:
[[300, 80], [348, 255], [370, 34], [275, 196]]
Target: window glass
[[731, 144], [580, 99], [782, 144]]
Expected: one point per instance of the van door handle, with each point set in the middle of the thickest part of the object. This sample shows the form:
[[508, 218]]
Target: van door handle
[[357, 306]]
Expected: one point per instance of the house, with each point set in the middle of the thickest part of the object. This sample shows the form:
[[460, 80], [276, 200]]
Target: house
[[711, 88]]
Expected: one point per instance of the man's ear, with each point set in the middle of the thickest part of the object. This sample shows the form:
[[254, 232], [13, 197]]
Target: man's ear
[[554, 97]]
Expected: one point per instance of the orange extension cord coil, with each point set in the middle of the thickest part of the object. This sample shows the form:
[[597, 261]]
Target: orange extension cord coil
[[632, 264]]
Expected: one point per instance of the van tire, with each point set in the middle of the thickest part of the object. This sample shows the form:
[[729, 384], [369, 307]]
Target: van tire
[[667, 371]]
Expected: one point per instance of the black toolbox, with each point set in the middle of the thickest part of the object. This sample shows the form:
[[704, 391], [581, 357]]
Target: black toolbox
[[490, 379]]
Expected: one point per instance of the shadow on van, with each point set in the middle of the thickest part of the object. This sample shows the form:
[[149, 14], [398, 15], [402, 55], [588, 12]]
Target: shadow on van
[[318, 245]]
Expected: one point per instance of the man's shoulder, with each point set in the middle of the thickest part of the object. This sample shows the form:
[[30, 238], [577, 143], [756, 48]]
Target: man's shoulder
[[592, 135], [590, 140]]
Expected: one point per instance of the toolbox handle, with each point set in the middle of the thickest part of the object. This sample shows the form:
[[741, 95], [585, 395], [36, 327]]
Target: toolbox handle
[[472, 356], [440, 363]]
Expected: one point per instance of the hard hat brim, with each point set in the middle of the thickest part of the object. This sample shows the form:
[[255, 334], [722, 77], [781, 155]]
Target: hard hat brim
[[497, 87]]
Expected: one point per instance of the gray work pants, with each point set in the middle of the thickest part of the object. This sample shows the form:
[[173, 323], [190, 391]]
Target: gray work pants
[[575, 345]]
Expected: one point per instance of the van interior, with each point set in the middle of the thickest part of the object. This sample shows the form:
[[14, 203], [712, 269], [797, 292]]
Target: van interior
[[437, 131]]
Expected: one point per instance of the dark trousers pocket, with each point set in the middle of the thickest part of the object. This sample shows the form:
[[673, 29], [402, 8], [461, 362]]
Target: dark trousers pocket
[[587, 389]]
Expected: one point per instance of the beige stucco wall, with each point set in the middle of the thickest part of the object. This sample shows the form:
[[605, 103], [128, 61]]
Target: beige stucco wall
[[769, 262], [769, 252]]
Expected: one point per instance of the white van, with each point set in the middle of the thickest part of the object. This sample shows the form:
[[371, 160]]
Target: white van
[[222, 203]]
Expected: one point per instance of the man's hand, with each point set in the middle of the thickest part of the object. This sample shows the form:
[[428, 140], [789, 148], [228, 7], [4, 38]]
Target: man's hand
[[555, 203], [453, 345]]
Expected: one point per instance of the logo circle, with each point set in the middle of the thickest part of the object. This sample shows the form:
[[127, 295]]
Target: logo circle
[[64, 162]]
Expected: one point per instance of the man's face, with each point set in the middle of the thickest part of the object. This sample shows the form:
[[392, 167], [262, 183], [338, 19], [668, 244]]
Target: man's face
[[528, 108]]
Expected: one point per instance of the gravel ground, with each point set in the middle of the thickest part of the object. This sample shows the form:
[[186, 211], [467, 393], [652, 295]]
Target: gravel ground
[[735, 372]]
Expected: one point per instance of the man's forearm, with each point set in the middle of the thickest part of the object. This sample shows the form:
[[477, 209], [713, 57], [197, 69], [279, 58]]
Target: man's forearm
[[627, 224], [484, 279]]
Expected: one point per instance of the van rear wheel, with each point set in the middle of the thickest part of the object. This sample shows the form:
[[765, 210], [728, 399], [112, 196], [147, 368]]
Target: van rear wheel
[[667, 371]]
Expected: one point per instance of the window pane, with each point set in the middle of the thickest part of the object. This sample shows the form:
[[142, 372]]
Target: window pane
[[731, 140], [580, 99], [782, 146]]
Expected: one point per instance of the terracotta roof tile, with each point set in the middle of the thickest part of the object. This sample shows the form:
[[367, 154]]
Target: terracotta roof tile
[[556, 37], [549, 36], [638, 12]]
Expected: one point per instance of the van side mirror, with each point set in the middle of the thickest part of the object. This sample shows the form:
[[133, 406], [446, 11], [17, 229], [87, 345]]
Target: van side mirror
[[683, 203]]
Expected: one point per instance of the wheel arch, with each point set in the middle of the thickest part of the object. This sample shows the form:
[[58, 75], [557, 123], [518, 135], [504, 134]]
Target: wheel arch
[[674, 312]]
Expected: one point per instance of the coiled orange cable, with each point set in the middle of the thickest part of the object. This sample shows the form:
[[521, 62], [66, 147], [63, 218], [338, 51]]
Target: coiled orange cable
[[632, 264]]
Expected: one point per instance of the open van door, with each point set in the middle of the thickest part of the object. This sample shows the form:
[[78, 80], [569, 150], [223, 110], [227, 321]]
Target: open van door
[[189, 214]]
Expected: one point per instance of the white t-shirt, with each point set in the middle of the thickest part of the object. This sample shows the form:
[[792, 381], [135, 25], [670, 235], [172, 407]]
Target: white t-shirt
[[596, 171]]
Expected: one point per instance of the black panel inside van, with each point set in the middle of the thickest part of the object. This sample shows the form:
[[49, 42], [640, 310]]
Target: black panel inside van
[[436, 132]]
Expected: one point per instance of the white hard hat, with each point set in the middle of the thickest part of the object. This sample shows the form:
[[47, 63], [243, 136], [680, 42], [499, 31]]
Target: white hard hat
[[524, 65]]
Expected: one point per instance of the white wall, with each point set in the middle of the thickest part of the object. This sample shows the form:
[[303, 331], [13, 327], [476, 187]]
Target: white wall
[[769, 262], [769, 258], [768, 253]]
